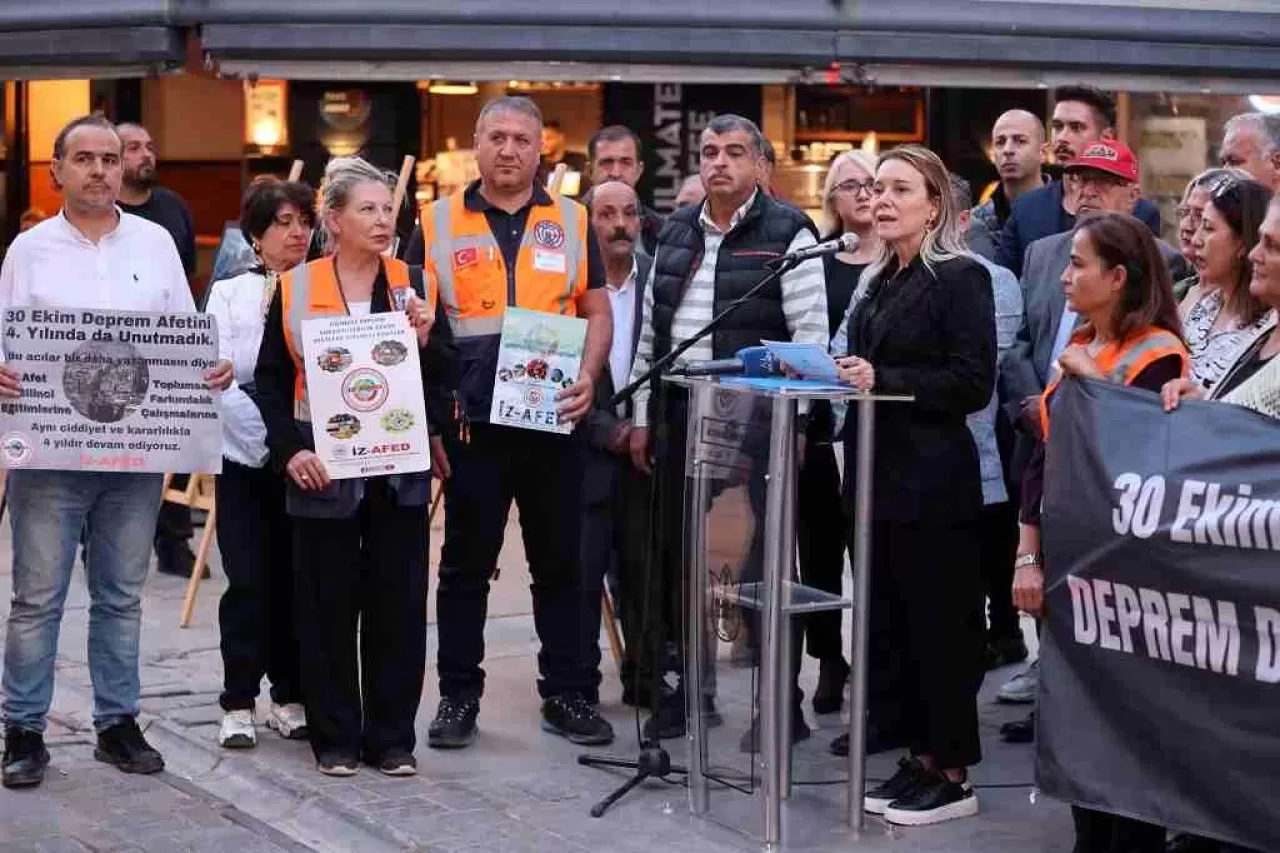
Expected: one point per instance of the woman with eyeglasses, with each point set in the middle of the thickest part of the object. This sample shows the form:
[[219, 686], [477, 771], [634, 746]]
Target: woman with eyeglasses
[[1220, 316], [1189, 213], [1253, 378], [255, 615], [846, 209]]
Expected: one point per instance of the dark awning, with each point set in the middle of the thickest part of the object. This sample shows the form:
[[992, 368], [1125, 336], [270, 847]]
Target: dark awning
[[1180, 44], [105, 38]]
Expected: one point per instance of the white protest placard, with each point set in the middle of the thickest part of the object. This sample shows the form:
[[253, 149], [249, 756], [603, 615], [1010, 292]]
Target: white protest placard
[[110, 391], [364, 382], [539, 356]]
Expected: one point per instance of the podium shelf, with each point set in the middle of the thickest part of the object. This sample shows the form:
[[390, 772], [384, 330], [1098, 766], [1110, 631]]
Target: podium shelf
[[796, 597]]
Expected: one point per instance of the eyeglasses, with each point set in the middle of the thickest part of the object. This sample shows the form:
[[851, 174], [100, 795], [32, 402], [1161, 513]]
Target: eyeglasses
[[854, 186], [1186, 211]]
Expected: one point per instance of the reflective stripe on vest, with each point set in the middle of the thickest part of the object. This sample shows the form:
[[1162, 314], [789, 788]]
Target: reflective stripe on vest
[[312, 290], [1122, 364], [459, 239]]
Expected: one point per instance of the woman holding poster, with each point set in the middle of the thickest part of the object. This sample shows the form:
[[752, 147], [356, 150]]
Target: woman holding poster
[[255, 615], [1119, 285], [360, 543]]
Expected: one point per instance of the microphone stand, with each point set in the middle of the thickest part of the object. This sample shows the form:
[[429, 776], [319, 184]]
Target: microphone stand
[[654, 762]]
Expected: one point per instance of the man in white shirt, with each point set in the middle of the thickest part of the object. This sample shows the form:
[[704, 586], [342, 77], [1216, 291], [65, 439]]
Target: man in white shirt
[[614, 495], [91, 255]]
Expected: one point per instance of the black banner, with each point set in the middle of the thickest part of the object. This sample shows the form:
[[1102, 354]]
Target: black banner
[[1160, 673], [669, 119]]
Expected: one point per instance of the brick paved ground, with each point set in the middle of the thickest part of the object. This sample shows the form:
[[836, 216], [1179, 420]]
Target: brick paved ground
[[517, 791]]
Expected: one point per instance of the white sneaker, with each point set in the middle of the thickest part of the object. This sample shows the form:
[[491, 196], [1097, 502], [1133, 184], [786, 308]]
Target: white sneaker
[[290, 721], [238, 731], [1022, 688]]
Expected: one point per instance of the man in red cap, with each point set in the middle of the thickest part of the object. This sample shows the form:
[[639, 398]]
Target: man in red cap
[[1103, 178]]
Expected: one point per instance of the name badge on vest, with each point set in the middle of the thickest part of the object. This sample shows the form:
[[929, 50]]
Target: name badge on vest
[[547, 261], [399, 298]]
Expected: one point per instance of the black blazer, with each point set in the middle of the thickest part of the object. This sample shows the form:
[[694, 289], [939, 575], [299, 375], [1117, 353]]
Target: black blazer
[[931, 335]]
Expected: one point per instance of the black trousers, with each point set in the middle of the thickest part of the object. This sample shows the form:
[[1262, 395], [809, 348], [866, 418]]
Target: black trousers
[[542, 473], [599, 556], [367, 573], [173, 523], [998, 547], [648, 603], [926, 637], [822, 536], [1102, 832], [255, 615]]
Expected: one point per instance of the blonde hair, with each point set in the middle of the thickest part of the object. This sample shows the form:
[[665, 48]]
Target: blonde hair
[[830, 219], [943, 241], [341, 176]]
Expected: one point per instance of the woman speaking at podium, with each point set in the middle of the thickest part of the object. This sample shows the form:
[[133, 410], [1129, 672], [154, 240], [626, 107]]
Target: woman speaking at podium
[[360, 545], [924, 325]]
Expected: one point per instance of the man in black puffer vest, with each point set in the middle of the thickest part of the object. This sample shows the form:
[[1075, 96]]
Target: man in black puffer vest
[[709, 255]]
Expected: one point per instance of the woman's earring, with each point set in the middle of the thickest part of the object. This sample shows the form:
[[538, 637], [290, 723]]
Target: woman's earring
[[257, 247]]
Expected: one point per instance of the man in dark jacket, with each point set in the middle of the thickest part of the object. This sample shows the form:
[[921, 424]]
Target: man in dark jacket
[[708, 256], [1082, 115], [1018, 147], [615, 154]]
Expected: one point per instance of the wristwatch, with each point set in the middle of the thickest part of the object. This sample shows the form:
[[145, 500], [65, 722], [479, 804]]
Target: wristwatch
[[1025, 560]]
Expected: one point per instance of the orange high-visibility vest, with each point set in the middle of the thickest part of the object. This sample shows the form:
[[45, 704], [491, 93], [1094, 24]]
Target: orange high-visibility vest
[[1122, 362], [312, 290], [466, 263]]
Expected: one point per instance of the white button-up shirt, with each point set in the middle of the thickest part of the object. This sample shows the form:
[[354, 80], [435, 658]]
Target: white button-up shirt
[[622, 302], [238, 306], [134, 267]]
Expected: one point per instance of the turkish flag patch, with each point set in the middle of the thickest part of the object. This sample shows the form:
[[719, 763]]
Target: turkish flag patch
[[465, 257]]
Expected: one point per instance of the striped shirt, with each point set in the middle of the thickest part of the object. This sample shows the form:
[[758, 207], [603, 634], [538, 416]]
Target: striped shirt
[[804, 303]]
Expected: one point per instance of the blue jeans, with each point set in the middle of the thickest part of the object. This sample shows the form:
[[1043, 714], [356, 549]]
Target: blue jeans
[[48, 511]]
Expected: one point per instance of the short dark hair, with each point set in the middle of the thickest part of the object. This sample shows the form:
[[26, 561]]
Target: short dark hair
[[961, 191], [1147, 298], [97, 120], [729, 122], [770, 153], [1103, 105], [614, 133], [263, 200]]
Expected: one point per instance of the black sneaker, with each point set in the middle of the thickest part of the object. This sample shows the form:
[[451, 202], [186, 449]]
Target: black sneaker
[[124, 746], [878, 740], [337, 763], [175, 557], [573, 718], [832, 675], [800, 730], [25, 758], [911, 774], [933, 800], [1004, 651], [396, 762], [672, 720], [455, 724], [1019, 731]]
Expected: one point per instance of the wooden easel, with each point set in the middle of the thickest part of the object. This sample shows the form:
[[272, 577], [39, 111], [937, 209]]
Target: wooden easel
[[198, 494]]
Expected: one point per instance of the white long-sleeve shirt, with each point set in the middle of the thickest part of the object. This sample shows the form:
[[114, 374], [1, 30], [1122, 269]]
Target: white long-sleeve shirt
[[237, 305], [804, 303], [134, 267]]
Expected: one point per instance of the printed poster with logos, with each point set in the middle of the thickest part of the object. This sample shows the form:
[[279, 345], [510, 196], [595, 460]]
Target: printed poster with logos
[[110, 391], [364, 382], [539, 355]]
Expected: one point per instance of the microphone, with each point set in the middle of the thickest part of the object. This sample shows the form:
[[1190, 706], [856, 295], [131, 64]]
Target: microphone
[[748, 361], [846, 242]]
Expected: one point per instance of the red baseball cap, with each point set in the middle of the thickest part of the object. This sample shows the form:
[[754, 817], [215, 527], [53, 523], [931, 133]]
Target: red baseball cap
[[1109, 155]]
